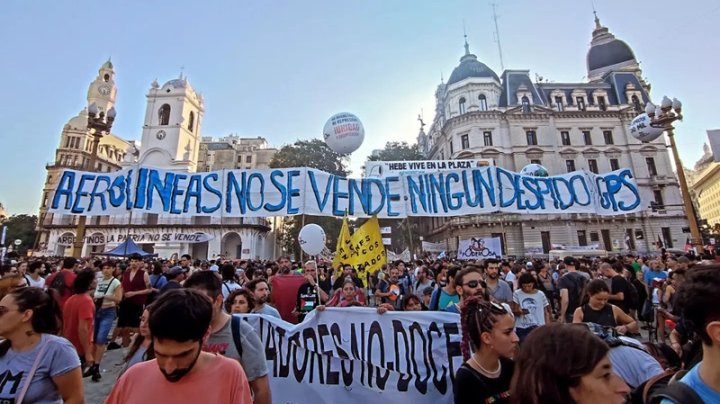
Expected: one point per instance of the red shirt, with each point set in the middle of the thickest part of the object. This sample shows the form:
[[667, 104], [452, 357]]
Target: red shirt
[[68, 277], [78, 307]]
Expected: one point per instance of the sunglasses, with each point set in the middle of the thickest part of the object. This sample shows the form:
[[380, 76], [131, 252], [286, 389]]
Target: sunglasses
[[474, 284]]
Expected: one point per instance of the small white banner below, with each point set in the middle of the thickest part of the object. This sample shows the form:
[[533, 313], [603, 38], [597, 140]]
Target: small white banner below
[[433, 247], [403, 256], [354, 355], [478, 248], [387, 241]]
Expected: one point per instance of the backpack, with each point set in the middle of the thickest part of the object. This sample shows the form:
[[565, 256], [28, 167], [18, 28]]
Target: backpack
[[575, 299], [58, 283], [235, 328], [665, 386]]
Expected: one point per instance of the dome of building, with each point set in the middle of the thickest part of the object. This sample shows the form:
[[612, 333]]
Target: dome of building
[[107, 65], [176, 83], [470, 67], [606, 50]]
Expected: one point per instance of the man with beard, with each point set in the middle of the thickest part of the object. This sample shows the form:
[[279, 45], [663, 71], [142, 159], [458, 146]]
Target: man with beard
[[497, 288], [391, 290], [182, 373], [284, 266], [261, 291], [468, 283], [233, 338], [309, 295]]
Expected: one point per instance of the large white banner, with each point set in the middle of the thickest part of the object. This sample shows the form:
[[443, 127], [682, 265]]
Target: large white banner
[[476, 248], [294, 191], [434, 247], [354, 355]]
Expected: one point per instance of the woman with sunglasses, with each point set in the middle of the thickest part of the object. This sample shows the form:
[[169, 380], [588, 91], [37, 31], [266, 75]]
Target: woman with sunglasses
[[46, 367], [488, 343]]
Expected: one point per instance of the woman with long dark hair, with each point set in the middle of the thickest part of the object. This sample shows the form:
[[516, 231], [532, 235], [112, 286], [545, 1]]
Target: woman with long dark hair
[[596, 309], [488, 344], [140, 349], [47, 366], [565, 364]]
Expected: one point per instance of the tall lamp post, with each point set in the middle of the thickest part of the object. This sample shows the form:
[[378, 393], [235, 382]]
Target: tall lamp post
[[664, 115], [98, 125]]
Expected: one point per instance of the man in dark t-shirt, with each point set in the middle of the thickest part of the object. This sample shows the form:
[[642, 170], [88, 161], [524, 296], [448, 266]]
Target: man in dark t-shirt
[[571, 287], [309, 295], [619, 287]]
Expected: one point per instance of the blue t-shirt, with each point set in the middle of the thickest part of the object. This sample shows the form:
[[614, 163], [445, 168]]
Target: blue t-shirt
[[692, 379], [446, 299], [269, 310], [59, 358], [650, 275]]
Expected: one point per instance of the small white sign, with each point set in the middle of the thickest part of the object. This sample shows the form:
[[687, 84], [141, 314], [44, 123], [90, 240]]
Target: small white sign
[[386, 230], [479, 248], [387, 241], [17, 242]]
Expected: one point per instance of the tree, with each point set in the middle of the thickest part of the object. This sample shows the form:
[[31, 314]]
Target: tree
[[313, 154], [20, 227], [398, 151], [406, 233]]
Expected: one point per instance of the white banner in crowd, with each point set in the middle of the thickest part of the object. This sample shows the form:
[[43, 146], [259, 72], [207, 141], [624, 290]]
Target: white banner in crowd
[[403, 256], [476, 248], [354, 355], [433, 247], [294, 191], [147, 237]]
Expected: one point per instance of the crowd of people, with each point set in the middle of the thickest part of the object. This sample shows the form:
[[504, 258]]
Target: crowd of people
[[616, 329]]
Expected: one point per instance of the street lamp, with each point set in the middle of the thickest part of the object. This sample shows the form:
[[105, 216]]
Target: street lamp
[[664, 115], [98, 125]]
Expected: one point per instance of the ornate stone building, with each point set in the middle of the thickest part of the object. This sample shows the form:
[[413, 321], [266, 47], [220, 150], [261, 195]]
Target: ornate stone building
[[171, 139], [565, 127]]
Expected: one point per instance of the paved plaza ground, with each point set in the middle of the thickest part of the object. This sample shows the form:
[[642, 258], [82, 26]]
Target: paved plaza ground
[[112, 364]]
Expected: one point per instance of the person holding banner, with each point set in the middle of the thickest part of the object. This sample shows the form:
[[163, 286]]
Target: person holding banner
[[488, 344], [310, 295], [349, 295]]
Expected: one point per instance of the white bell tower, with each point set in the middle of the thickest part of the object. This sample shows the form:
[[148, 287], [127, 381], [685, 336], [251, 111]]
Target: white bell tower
[[102, 90], [171, 132]]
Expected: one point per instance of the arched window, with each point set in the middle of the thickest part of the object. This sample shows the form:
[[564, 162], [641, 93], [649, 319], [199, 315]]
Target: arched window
[[483, 102], [164, 114], [525, 105], [191, 121], [461, 104], [636, 104]]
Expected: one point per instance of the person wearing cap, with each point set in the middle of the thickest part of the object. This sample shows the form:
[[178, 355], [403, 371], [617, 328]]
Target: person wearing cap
[[175, 276]]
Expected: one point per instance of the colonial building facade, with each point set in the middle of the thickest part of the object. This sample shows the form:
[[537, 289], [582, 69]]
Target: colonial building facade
[[171, 139], [565, 127]]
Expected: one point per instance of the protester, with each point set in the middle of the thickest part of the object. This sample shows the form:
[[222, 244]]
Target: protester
[[229, 280], [498, 289], [488, 344], [108, 294], [175, 277], [233, 338], [309, 295], [11, 282], [597, 310], [33, 275], [79, 316], [412, 303], [36, 365], [446, 295], [391, 290], [468, 283], [699, 303], [347, 296], [140, 349], [240, 301], [422, 282], [571, 286], [565, 364], [532, 306], [157, 281], [180, 323], [62, 280], [667, 308], [546, 280], [261, 292], [136, 287], [347, 273]]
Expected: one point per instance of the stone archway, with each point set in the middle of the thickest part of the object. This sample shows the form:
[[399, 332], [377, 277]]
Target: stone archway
[[231, 246], [96, 239], [63, 246]]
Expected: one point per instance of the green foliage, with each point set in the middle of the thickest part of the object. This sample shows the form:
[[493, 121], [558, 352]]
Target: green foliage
[[398, 151], [314, 154], [20, 227], [310, 153]]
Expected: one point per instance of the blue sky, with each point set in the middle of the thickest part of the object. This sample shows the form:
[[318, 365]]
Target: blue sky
[[279, 69]]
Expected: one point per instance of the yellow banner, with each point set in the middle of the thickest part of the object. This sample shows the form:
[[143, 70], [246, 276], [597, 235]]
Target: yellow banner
[[364, 247], [343, 239]]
